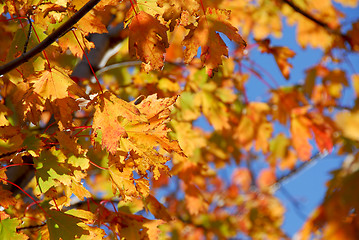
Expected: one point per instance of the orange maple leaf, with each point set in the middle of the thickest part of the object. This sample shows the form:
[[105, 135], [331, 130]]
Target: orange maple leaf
[[148, 41], [242, 177], [266, 178], [106, 124], [281, 55], [205, 36], [121, 128], [6, 198]]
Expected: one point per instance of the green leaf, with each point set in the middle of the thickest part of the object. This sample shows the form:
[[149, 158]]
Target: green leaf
[[64, 226], [50, 169], [8, 229]]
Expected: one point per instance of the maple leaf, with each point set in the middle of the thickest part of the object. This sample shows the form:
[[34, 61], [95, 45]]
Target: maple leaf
[[323, 130], [11, 139], [174, 9], [50, 13], [188, 110], [6, 198], [133, 132], [54, 83], [106, 122], [266, 179], [348, 122], [279, 150], [91, 24], [355, 82], [148, 41], [53, 168], [195, 201], [205, 36], [254, 126], [87, 217], [300, 129], [4, 113], [157, 209], [308, 32], [281, 55], [136, 126], [53, 87], [68, 41], [335, 81], [49, 172], [123, 182], [64, 226], [190, 139], [152, 230], [354, 34], [242, 178], [8, 229], [349, 3]]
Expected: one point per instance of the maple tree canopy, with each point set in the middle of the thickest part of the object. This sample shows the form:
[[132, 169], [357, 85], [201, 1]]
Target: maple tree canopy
[[118, 118]]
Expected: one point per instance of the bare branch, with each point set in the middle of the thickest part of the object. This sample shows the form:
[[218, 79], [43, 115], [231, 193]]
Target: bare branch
[[30, 227], [296, 170], [50, 39], [316, 21]]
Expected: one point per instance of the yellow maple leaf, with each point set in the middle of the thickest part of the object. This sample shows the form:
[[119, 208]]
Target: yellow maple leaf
[[51, 89], [91, 24], [355, 82], [123, 181], [173, 10], [68, 41], [348, 122], [148, 41], [54, 83], [348, 3], [254, 126], [300, 135], [308, 32]]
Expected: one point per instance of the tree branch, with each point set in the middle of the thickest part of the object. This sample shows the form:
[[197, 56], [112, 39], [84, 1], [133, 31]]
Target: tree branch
[[50, 39], [30, 227], [284, 178], [316, 21]]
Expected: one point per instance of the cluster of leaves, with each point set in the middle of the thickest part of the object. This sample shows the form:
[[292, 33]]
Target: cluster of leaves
[[90, 158]]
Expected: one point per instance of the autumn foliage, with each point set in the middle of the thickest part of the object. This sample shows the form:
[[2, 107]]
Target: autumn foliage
[[118, 119]]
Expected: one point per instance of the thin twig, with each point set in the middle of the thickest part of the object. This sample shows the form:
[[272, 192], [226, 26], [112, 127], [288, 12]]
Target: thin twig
[[28, 35], [284, 178], [30, 227], [50, 39], [294, 203], [118, 65]]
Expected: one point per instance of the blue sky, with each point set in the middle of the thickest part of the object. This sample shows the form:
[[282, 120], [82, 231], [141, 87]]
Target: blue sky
[[302, 193]]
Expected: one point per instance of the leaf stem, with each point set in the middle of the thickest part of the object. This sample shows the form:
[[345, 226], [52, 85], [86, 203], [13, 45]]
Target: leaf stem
[[88, 61], [97, 165], [22, 190], [43, 51]]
